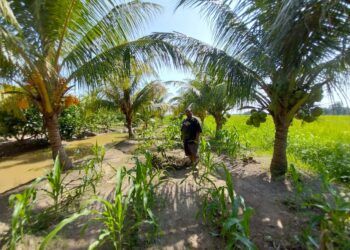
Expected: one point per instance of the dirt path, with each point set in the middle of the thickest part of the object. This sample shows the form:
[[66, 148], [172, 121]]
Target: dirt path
[[177, 214], [273, 225]]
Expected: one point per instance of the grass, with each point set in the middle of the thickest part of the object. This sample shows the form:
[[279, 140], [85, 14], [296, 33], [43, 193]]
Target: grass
[[324, 143]]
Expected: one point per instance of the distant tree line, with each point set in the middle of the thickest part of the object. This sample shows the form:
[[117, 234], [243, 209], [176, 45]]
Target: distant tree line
[[336, 109]]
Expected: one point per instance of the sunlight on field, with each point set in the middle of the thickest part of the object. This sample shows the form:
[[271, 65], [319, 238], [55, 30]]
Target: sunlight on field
[[327, 129], [23, 168]]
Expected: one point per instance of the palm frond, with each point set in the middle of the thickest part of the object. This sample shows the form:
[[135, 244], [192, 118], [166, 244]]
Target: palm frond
[[145, 96], [7, 13], [118, 24], [216, 62], [145, 50]]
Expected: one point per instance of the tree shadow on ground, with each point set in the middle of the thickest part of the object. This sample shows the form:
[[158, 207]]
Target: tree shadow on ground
[[177, 213]]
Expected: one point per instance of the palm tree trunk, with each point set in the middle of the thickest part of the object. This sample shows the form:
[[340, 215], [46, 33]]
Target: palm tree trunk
[[202, 117], [219, 123], [51, 124], [279, 164], [129, 125]]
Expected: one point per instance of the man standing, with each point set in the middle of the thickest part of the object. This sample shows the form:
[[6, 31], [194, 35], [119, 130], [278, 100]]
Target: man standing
[[190, 132]]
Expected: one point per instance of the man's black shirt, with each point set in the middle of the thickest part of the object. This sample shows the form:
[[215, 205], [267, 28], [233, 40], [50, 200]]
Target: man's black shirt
[[190, 128]]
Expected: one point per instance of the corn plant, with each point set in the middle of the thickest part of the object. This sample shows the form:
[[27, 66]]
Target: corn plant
[[22, 205], [226, 210], [99, 153], [227, 142], [332, 219], [123, 216], [206, 157], [142, 197], [55, 182], [91, 175], [113, 216]]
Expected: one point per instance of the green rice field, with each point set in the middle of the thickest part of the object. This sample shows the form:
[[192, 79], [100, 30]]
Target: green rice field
[[320, 145]]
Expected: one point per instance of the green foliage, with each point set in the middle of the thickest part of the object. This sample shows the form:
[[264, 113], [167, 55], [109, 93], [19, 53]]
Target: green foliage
[[332, 221], [299, 187], [172, 133], [227, 210], [24, 219], [122, 217], [273, 54], [69, 122], [56, 183], [113, 216], [75, 120], [329, 226], [30, 124], [92, 170], [22, 205], [322, 145], [227, 142], [205, 95], [143, 178], [11, 126], [206, 157]]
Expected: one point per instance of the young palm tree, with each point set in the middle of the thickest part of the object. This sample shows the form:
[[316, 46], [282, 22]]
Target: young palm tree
[[207, 96], [284, 53], [46, 47], [124, 91], [155, 109]]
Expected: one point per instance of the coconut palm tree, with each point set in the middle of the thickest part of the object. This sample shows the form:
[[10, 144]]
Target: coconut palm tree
[[283, 53], [205, 95], [131, 92], [47, 47]]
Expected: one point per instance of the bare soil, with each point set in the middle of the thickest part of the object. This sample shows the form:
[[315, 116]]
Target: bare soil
[[273, 225]]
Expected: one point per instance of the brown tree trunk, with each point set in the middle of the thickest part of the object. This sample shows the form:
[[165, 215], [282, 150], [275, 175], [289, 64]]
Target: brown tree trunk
[[279, 164], [51, 124], [129, 125], [219, 123]]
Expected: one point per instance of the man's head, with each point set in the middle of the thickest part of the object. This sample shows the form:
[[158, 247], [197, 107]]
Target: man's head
[[188, 113]]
